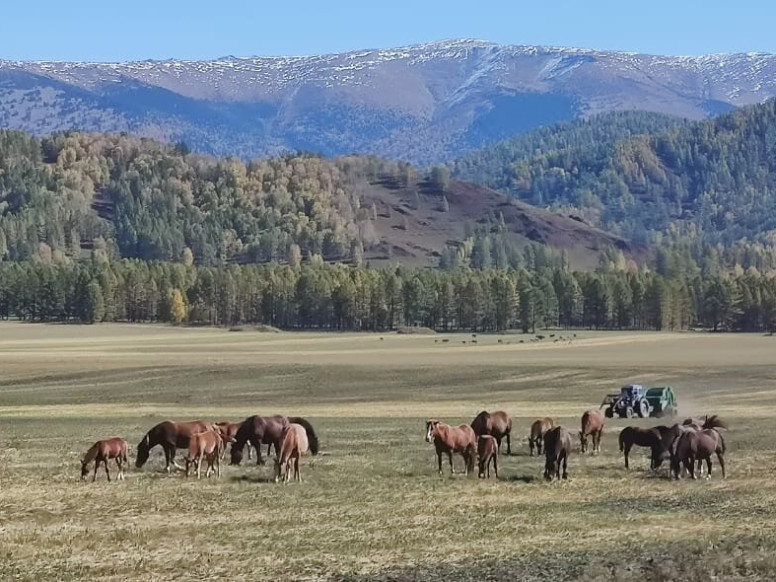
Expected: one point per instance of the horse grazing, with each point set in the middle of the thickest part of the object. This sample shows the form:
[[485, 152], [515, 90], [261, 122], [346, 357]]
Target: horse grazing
[[695, 446], [102, 452], [593, 426], [448, 439], [293, 445], [258, 430], [642, 437], [229, 434], [557, 448], [496, 424], [170, 436], [208, 445], [538, 429], [487, 451], [670, 436]]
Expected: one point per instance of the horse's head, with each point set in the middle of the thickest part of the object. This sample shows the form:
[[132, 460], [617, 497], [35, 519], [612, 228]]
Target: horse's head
[[143, 450], [236, 455], [84, 470], [583, 441], [430, 426]]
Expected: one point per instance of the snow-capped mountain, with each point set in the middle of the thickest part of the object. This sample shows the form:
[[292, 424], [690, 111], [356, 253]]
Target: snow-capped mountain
[[422, 103]]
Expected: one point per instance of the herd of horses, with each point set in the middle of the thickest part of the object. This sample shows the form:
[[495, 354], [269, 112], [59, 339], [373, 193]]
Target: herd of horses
[[686, 446], [290, 436]]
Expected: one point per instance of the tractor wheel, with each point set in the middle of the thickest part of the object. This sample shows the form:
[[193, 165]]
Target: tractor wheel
[[629, 412], [609, 412], [643, 409]]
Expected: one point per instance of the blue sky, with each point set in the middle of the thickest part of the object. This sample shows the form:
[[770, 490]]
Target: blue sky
[[142, 29]]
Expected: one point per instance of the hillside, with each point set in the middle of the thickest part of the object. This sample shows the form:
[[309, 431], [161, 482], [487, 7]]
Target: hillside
[[136, 198], [704, 183], [422, 103]]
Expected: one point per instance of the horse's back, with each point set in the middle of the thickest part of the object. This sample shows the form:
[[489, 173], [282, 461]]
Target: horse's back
[[592, 420], [501, 421], [481, 423], [301, 437], [556, 441], [468, 437], [487, 446]]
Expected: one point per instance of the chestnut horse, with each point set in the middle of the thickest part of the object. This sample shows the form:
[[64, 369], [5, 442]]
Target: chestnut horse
[[538, 429], [102, 452], [670, 435], [487, 451], [448, 439], [258, 430], [496, 424], [593, 426], [294, 444], [697, 446], [557, 448], [170, 436], [208, 445], [641, 437]]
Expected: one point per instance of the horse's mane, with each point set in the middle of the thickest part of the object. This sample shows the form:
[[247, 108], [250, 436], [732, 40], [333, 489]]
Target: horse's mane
[[91, 453], [715, 422]]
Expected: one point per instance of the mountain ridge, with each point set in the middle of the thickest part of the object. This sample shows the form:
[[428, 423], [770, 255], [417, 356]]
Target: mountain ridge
[[422, 103]]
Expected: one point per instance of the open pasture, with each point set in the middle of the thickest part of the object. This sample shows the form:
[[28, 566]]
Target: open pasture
[[372, 506]]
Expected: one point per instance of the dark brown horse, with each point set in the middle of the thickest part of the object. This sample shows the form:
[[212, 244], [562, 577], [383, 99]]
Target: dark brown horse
[[695, 446], [448, 439], [592, 426], [258, 430], [170, 436], [670, 436], [229, 433], [496, 424], [641, 437], [538, 429], [102, 452], [487, 451], [294, 445], [557, 448]]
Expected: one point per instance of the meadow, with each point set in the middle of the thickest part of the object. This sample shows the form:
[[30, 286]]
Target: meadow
[[372, 506]]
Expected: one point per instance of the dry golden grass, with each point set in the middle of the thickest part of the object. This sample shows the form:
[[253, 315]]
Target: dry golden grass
[[372, 506]]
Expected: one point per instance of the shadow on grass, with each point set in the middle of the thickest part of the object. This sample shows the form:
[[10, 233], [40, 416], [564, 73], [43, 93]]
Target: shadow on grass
[[521, 479], [251, 479]]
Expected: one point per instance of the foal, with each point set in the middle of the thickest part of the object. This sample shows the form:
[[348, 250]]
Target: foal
[[102, 452], [487, 451], [208, 444], [293, 444]]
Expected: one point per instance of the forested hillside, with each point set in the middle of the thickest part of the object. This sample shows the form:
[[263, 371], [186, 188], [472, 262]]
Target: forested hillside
[[691, 185], [133, 198]]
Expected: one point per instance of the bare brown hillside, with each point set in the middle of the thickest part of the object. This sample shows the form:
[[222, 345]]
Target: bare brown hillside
[[414, 228]]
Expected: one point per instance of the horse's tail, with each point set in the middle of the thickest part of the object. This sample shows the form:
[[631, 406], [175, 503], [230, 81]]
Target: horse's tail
[[722, 444], [312, 438], [622, 440], [715, 421], [91, 454]]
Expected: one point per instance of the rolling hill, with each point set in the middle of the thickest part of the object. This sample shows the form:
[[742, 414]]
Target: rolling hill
[[423, 103]]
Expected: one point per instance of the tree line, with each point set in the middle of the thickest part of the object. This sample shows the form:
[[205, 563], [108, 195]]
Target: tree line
[[315, 295]]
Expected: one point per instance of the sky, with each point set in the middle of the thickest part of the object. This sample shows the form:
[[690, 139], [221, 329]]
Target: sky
[[88, 30]]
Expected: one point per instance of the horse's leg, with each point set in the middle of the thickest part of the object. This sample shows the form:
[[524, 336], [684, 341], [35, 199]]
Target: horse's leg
[[495, 465], [450, 458], [498, 442], [297, 471], [120, 468], [626, 451], [708, 467], [539, 445], [96, 466], [530, 447], [439, 461], [107, 472], [509, 444], [721, 460]]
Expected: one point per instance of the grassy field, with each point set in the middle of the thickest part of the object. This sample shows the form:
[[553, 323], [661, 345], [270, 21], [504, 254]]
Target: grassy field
[[372, 506]]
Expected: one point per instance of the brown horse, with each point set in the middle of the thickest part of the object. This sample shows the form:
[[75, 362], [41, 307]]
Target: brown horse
[[487, 451], [593, 426], [642, 437], [102, 452], [695, 446], [447, 439], [208, 445], [538, 429], [557, 448], [496, 424], [229, 433], [258, 430], [294, 445], [670, 436], [170, 436]]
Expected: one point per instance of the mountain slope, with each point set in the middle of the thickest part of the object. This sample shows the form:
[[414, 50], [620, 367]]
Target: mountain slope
[[421, 103], [140, 199], [711, 181]]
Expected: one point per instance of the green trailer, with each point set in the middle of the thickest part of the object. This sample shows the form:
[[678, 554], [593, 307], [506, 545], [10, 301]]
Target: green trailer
[[662, 401]]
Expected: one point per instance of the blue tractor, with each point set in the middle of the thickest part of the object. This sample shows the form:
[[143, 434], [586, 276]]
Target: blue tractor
[[635, 400]]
